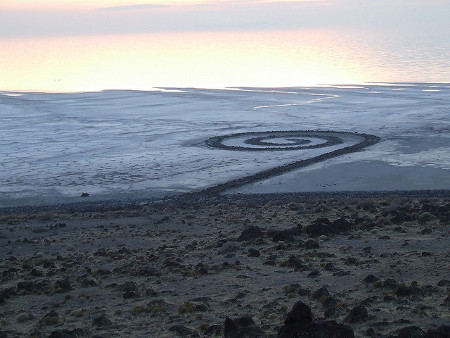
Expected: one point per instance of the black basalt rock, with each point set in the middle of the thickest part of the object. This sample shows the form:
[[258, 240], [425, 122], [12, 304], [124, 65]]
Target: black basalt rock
[[408, 332], [183, 331], [251, 233], [442, 331], [287, 235], [300, 313], [299, 323], [341, 225], [318, 329], [357, 314], [242, 327], [101, 321]]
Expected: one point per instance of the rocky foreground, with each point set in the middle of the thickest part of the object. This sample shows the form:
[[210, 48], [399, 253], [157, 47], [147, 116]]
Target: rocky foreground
[[344, 267]]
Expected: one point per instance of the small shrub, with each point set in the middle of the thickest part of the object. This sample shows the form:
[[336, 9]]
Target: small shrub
[[186, 307]]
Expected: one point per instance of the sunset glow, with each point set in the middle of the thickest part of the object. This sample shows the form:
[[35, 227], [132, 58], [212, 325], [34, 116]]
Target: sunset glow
[[195, 59]]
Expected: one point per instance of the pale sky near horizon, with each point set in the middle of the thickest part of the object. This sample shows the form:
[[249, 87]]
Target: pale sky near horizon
[[21, 18]]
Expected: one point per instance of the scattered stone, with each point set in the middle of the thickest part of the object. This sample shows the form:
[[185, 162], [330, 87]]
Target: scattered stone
[[128, 286], [63, 285], [6, 294], [311, 244], [36, 273], [296, 263], [351, 261], [441, 332], [86, 282], [323, 226], [408, 332], [390, 283], [271, 262], [287, 235], [341, 273], [320, 293], [251, 233], [201, 269], [299, 323], [101, 321], [65, 333], [314, 273], [330, 305], [329, 266], [151, 293], [183, 331], [357, 314], [426, 231], [214, 330], [370, 332], [242, 327], [444, 282], [50, 318], [300, 313], [320, 226], [253, 252], [130, 294], [406, 291], [370, 279]]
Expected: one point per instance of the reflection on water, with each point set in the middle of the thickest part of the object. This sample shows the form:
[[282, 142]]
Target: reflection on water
[[218, 59]]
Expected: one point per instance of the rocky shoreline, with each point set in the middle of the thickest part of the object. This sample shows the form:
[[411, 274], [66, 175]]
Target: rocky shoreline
[[261, 266]]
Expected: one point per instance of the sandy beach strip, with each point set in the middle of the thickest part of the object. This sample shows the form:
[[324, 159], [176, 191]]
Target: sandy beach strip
[[371, 264]]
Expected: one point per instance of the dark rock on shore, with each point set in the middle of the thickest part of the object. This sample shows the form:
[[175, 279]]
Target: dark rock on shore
[[296, 263], [183, 331], [408, 332], [6, 294], [323, 226], [214, 330], [101, 321], [287, 235], [370, 279], [441, 332], [65, 333], [300, 314], [242, 327], [357, 314], [251, 233], [63, 285], [319, 293], [311, 244], [253, 252], [299, 323]]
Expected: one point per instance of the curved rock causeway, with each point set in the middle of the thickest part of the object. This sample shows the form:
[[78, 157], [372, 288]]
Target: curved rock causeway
[[283, 141]]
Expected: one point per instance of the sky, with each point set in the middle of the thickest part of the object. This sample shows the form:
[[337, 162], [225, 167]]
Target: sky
[[31, 18]]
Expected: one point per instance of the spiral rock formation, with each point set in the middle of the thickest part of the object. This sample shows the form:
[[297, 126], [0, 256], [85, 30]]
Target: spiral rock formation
[[284, 141]]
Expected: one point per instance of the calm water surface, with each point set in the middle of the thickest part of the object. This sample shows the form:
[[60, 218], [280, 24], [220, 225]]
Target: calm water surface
[[221, 59]]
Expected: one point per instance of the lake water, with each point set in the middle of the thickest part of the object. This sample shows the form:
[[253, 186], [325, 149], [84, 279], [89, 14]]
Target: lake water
[[221, 59], [76, 136]]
